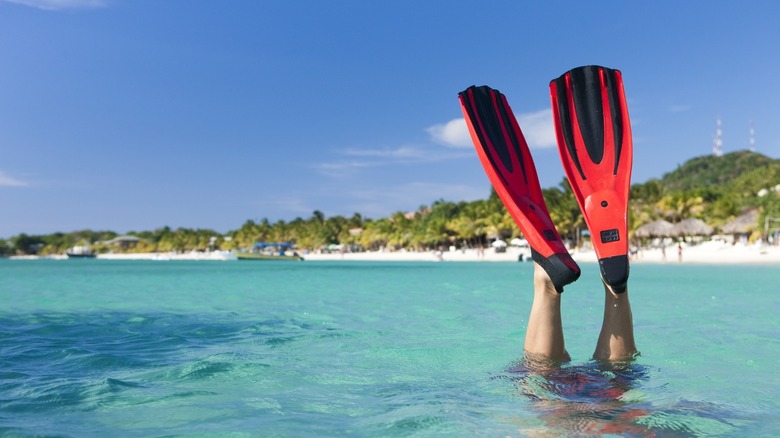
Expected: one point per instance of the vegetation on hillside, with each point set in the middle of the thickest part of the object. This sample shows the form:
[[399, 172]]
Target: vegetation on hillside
[[714, 189]]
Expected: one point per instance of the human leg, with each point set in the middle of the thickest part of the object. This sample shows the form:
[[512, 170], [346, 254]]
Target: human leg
[[616, 340], [544, 335]]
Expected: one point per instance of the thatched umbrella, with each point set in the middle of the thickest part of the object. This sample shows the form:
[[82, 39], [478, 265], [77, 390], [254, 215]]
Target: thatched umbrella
[[659, 228], [692, 227], [742, 224]]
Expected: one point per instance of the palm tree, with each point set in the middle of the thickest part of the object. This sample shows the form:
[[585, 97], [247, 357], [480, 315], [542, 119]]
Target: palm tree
[[680, 205]]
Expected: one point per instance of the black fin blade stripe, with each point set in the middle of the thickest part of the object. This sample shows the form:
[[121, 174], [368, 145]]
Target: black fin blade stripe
[[586, 88], [616, 113], [513, 141], [471, 98], [565, 122], [479, 107], [487, 110], [585, 85]]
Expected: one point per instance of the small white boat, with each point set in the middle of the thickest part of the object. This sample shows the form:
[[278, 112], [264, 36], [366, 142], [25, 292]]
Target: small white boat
[[80, 252]]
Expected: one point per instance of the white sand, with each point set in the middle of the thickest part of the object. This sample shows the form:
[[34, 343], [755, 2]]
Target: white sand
[[166, 256], [708, 252], [161, 256]]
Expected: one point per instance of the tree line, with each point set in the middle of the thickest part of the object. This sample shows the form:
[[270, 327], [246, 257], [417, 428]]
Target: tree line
[[714, 189]]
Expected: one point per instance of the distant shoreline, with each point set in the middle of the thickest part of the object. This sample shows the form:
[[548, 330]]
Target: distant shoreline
[[705, 253]]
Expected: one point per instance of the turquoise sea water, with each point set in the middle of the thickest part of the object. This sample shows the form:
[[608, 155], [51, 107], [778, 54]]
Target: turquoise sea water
[[94, 348]]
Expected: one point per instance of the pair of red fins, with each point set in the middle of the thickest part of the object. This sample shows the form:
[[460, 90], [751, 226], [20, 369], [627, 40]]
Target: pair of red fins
[[594, 141]]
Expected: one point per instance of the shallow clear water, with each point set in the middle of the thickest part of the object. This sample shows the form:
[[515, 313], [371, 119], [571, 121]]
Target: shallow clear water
[[135, 348]]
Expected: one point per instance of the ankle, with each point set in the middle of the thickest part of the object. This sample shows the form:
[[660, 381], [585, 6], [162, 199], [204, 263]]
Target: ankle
[[542, 283]]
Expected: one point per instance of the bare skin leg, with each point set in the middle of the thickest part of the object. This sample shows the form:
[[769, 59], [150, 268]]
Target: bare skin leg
[[616, 340], [544, 336]]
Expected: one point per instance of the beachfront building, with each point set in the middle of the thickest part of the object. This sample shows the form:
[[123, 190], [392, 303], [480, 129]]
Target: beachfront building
[[740, 229], [123, 242]]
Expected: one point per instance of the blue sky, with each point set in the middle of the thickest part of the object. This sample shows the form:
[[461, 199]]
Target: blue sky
[[136, 114]]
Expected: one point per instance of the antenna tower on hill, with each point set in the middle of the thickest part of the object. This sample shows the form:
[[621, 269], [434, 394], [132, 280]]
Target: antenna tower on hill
[[752, 141], [717, 142]]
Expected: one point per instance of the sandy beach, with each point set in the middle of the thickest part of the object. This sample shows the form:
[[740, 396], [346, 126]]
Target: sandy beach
[[704, 253], [709, 252]]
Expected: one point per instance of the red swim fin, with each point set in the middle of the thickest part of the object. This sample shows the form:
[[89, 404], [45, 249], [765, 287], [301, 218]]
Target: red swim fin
[[507, 161], [594, 142]]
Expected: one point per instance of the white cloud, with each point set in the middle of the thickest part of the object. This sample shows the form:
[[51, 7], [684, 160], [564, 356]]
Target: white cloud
[[401, 152], [382, 202], [679, 108], [52, 5], [358, 159], [427, 192], [9, 181], [343, 168], [537, 128], [453, 133]]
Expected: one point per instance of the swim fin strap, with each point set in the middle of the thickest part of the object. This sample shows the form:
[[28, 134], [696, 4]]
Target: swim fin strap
[[505, 156], [594, 141]]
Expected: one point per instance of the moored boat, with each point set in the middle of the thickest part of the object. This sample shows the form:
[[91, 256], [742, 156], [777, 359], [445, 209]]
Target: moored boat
[[270, 251], [80, 252]]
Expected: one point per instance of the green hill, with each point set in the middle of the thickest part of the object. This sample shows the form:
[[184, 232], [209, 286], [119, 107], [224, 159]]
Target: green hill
[[711, 172], [713, 188]]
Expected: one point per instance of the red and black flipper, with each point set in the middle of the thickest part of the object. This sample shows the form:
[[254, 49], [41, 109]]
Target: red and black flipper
[[507, 161], [594, 141]]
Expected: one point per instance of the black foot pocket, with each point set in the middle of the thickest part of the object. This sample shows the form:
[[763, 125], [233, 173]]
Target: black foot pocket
[[561, 268], [614, 272]]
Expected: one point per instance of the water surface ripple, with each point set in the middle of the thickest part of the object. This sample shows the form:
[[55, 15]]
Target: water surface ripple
[[108, 348]]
